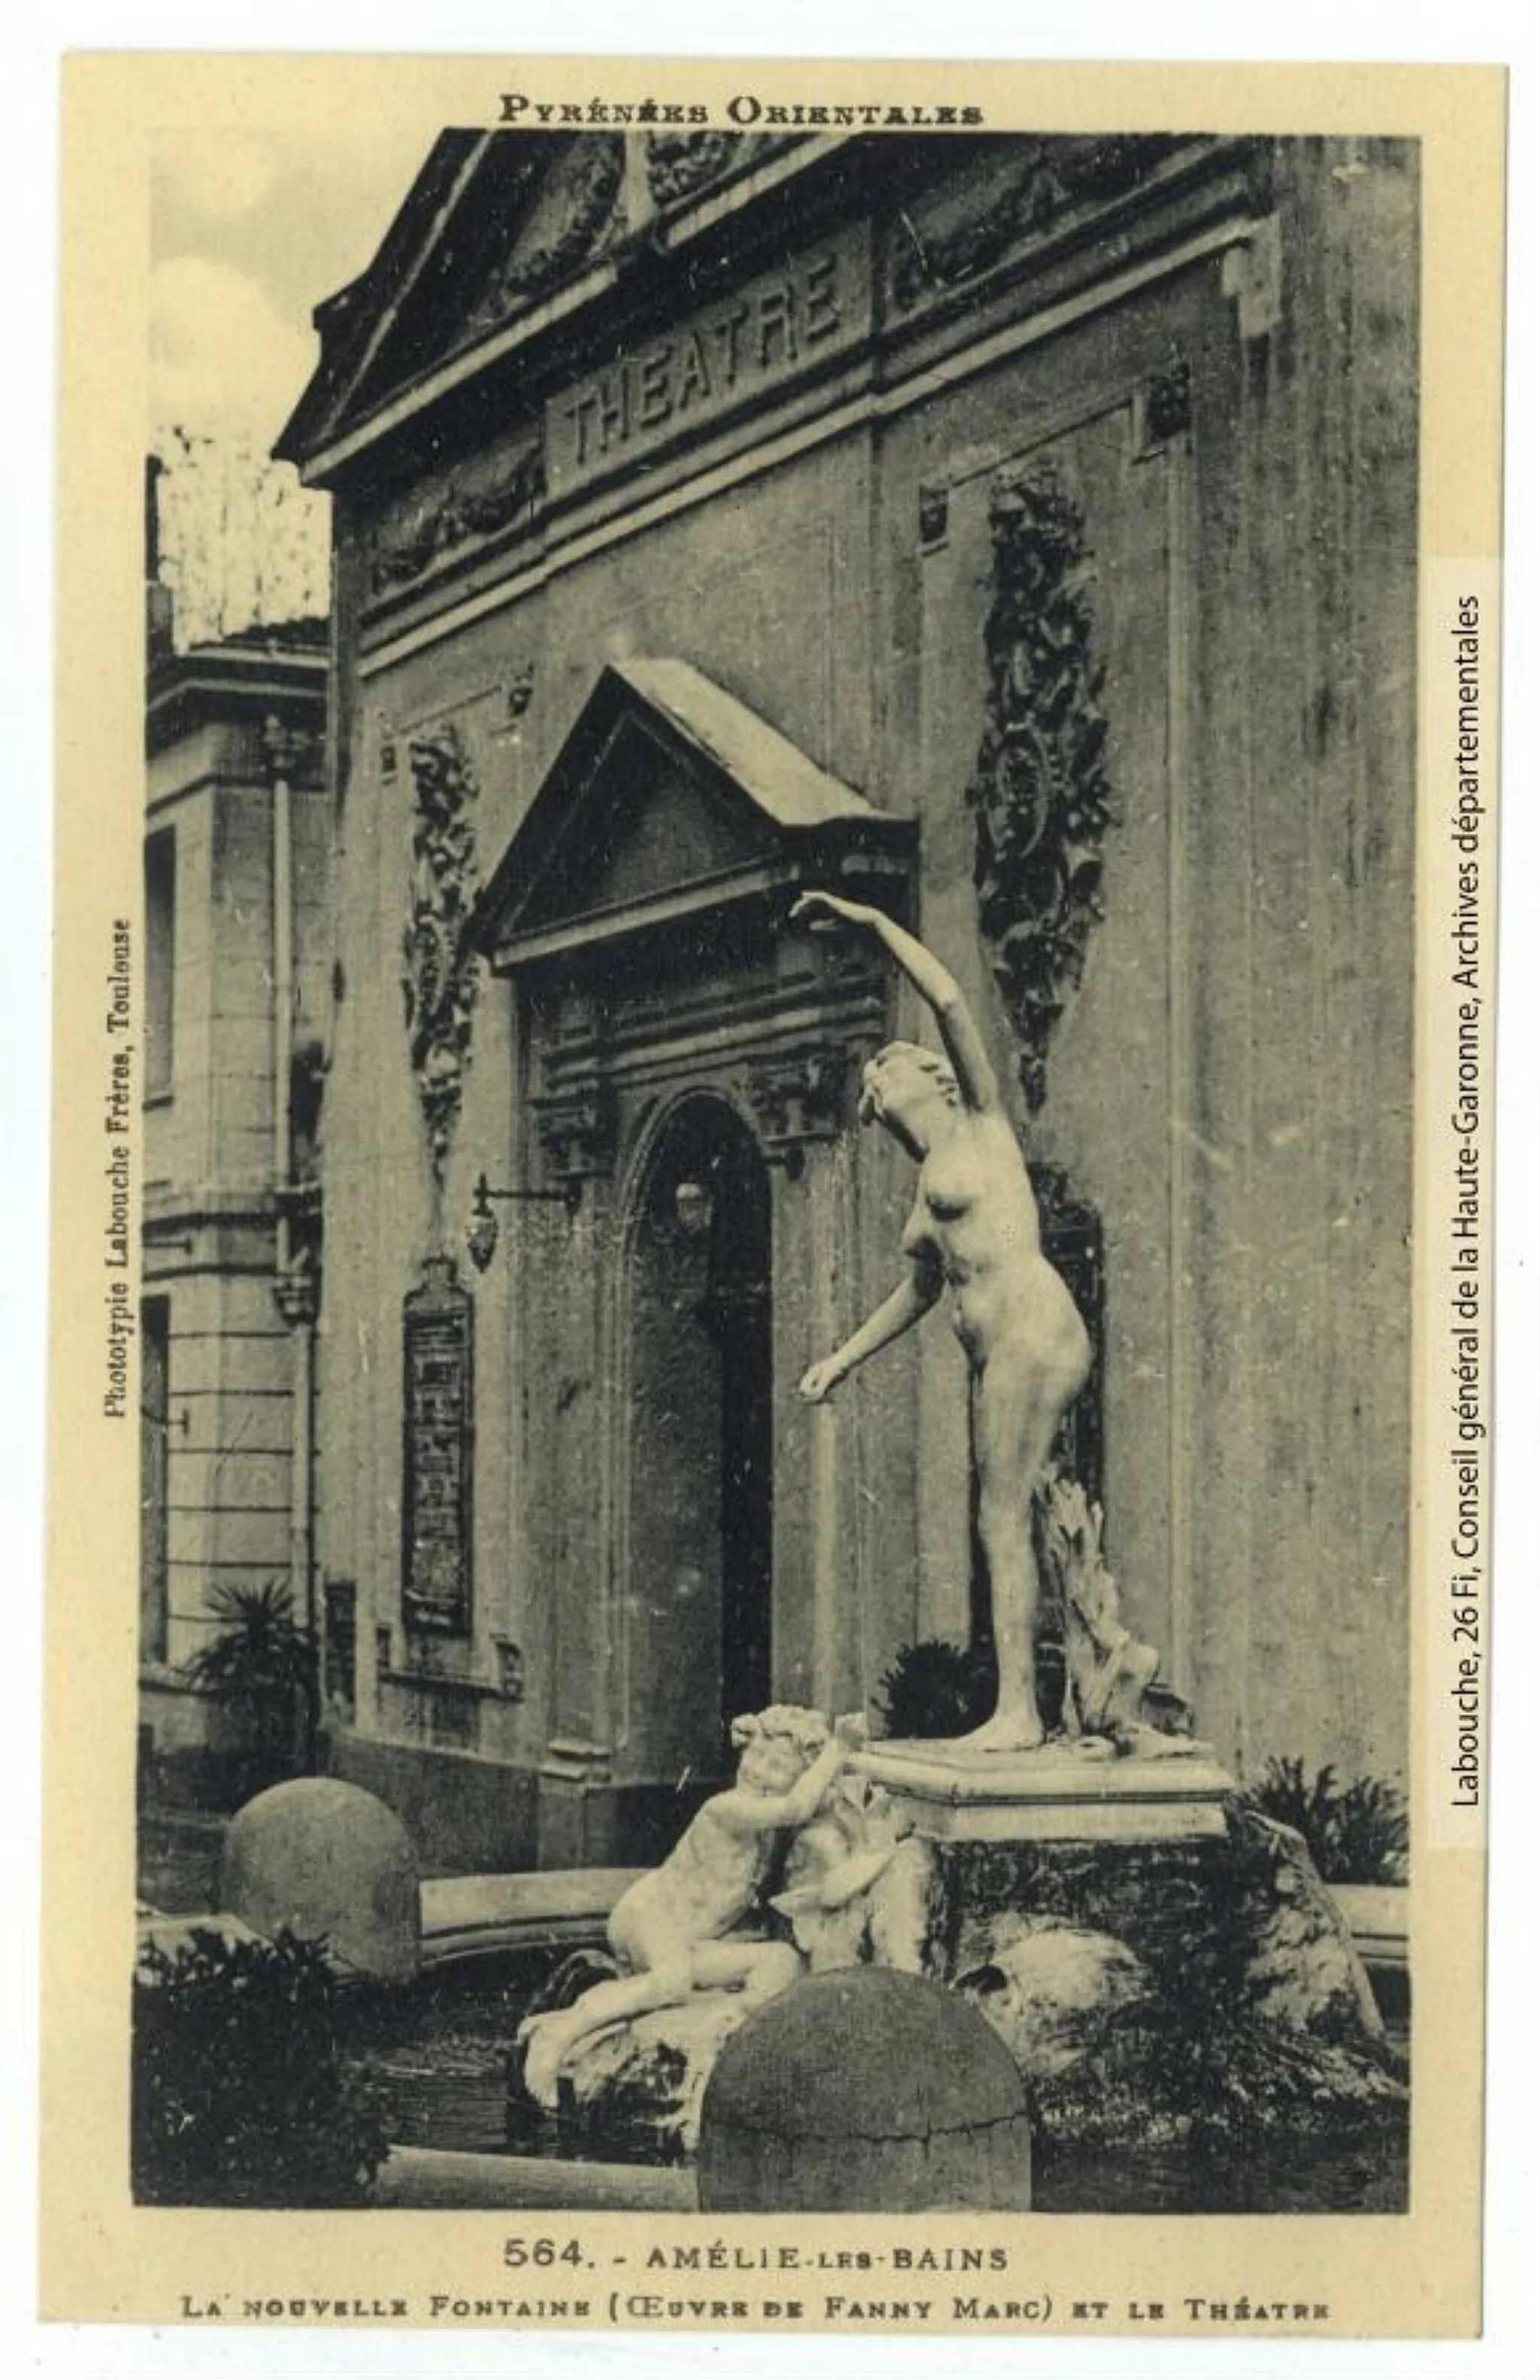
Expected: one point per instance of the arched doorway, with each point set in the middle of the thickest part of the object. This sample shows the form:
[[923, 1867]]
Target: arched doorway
[[697, 1537]]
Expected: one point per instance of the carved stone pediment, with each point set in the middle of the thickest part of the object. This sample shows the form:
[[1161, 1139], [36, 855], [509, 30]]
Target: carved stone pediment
[[494, 226], [570, 212], [671, 798]]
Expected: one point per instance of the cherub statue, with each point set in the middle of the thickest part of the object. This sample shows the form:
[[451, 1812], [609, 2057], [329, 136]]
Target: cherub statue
[[667, 1931], [974, 1234]]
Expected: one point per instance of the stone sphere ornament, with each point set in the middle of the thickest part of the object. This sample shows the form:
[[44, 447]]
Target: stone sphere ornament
[[329, 1862], [865, 2091]]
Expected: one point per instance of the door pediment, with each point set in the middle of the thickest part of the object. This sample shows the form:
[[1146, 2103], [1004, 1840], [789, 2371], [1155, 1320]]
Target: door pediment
[[668, 797]]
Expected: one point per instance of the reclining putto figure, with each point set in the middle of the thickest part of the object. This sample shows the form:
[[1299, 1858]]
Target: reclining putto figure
[[667, 1931]]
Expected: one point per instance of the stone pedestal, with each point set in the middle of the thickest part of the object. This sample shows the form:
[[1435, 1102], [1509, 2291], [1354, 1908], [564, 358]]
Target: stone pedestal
[[636, 2090], [1077, 1792]]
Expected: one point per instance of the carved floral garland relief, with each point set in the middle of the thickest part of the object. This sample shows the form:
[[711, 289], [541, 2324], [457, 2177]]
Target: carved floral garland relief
[[679, 163], [1054, 176], [441, 979], [467, 508], [1039, 791]]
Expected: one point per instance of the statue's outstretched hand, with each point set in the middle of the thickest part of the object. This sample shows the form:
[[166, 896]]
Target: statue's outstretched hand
[[851, 1731], [825, 910], [819, 1381]]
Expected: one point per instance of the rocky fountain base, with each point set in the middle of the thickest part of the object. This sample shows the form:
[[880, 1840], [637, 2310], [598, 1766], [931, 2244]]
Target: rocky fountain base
[[1163, 1964]]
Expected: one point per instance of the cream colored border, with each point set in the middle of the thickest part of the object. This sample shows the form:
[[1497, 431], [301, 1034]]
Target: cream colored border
[[102, 2259]]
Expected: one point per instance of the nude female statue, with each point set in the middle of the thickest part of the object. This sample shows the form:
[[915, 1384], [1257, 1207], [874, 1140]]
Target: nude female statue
[[666, 1930], [972, 1232]]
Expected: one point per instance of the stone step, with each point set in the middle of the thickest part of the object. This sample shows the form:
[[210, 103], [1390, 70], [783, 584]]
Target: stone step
[[413, 2177], [1377, 1915]]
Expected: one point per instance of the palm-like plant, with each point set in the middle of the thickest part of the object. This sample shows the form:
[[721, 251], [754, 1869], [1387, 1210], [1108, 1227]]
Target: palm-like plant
[[262, 1666], [1357, 1832], [935, 1689]]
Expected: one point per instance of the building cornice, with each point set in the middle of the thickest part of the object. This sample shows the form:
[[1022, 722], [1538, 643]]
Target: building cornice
[[214, 682]]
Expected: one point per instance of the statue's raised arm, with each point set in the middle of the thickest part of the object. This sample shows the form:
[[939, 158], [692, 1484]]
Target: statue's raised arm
[[936, 984]]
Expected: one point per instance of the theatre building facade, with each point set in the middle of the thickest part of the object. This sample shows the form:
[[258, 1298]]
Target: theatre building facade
[[1017, 533]]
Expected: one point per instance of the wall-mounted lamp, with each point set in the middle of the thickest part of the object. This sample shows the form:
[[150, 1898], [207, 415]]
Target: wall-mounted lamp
[[482, 1230]]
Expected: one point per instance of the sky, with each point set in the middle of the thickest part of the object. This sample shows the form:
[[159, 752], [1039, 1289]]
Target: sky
[[250, 230]]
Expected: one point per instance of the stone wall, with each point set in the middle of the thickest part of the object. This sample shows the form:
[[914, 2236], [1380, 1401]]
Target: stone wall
[[463, 1816], [211, 1231]]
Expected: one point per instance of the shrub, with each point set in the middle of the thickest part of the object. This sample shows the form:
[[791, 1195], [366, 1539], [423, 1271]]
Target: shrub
[[241, 2096], [1356, 1833], [262, 1666], [935, 1689]]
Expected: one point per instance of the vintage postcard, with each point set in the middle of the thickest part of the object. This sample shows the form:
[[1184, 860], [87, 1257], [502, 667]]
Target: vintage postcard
[[771, 1323]]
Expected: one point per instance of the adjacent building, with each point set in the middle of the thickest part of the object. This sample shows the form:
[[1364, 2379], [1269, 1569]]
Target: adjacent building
[[236, 993], [1019, 532]]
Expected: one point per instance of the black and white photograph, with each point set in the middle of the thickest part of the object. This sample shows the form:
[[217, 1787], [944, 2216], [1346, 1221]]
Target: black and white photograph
[[764, 1219]]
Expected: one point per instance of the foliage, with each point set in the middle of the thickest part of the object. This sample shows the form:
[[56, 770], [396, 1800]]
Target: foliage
[[1225, 2086], [262, 1666], [240, 2095], [1356, 1833], [937, 1689]]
